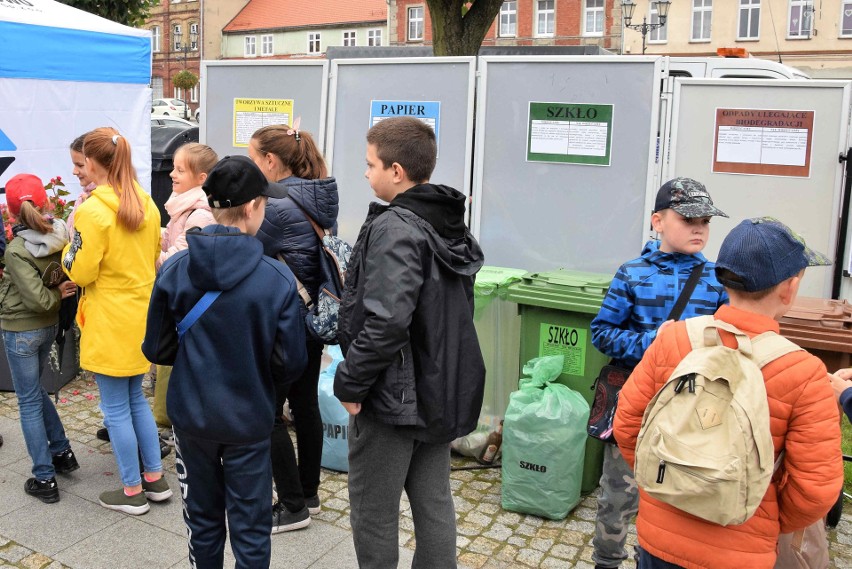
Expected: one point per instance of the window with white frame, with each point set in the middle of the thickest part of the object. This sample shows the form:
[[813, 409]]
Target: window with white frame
[[415, 23], [846, 19], [155, 39], [800, 19], [178, 93], [349, 38], [177, 34], [508, 19], [374, 37], [314, 42], [593, 15], [250, 49], [702, 14], [193, 32], [156, 87], [193, 94], [658, 34], [749, 24], [266, 46], [544, 17]]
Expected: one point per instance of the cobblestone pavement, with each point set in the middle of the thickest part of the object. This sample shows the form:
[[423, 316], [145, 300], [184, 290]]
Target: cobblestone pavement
[[488, 536]]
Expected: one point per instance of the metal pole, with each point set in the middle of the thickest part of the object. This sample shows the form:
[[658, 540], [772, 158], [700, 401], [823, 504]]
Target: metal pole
[[644, 33]]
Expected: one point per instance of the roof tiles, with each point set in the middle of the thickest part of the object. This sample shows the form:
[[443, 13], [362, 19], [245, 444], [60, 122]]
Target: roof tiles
[[273, 14]]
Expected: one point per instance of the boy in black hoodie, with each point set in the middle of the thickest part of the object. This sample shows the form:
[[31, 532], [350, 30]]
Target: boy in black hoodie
[[413, 376], [226, 358]]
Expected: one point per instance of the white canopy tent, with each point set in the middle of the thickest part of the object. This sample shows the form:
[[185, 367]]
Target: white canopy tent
[[64, 72]]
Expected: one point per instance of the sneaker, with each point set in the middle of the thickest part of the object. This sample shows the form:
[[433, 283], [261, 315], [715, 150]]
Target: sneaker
[[1, 440], [65, 462], [285, 520], [165, 449], [45, 490], [158, 490], [167, 436], [102, 434], [117, 500], [313, 505]]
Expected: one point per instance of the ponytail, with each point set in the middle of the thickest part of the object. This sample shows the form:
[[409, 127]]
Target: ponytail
[[112, 151], [296, 150], [34, 219]]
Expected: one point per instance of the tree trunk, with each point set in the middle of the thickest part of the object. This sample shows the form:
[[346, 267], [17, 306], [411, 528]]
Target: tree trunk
[[454, 33]]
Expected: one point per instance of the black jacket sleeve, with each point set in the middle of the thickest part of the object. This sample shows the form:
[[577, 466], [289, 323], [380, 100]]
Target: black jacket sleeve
[[393, 276]]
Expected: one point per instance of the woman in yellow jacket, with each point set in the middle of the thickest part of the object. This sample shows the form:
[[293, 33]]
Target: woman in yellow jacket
[[112, 256]]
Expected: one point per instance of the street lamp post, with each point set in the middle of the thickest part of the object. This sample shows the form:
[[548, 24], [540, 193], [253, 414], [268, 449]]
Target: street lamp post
[[629, 6], [185, 48]]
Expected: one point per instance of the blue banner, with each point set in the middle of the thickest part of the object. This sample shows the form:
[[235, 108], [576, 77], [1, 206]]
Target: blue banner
[[41, 52]]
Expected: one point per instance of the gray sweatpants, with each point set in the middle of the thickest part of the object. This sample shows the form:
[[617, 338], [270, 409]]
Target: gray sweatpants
[[383, 461], [617, 504]]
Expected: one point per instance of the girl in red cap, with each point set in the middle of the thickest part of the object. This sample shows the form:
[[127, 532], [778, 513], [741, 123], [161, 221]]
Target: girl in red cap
[[31, 291]]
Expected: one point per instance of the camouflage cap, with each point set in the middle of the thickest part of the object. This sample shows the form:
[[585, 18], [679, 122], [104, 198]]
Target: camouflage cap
[[688, 197], [763, 252]]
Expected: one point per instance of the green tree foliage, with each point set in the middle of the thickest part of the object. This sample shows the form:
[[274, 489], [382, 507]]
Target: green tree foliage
[[128, 12], [185, 80], [459, 26]]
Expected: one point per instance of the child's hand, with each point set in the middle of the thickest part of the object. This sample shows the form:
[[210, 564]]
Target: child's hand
[[845, 373], [67, 289], [352, 408], [839, 384]]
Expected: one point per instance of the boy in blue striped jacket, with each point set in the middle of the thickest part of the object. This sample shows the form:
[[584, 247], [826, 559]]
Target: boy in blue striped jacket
[[635, 308]]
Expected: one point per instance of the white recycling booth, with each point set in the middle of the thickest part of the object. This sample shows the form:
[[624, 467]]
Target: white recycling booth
[[63, 72]]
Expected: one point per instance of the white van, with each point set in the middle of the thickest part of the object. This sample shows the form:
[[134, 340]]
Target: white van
[[730, 67]]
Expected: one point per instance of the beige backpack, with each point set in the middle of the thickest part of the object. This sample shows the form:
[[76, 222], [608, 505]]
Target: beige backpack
[[705, 446]]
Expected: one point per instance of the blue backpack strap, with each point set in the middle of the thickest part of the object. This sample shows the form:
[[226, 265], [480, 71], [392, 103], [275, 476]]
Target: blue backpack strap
[[203, 304]]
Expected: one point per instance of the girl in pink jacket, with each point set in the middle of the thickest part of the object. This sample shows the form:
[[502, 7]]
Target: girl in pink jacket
[[187, 206]]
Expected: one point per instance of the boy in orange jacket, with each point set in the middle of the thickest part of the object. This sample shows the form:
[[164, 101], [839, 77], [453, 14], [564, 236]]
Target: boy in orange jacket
[[761, 264]]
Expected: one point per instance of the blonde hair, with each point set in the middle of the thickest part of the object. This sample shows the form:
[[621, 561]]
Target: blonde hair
[[112, 151], [297, 151], [33, 218], [200, 158]]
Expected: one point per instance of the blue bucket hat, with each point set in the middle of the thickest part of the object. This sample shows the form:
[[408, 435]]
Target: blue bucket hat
[[764, 252]]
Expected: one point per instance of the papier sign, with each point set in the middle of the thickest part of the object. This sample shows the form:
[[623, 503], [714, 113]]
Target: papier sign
[[764, 142]]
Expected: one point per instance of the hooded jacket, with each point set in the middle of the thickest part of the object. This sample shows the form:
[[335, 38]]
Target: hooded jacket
[[221, 387], [115, 268], [187, 210], [412, 357], [285, 229], [641, 296], [29, 299], [803, 420]]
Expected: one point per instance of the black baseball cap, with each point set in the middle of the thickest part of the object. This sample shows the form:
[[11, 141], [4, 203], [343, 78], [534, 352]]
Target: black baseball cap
[[236, 180], [688, 197]]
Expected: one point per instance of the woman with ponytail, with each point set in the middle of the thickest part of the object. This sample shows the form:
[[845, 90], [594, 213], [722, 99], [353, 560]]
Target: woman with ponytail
[[31, 291], [111, 257], [289, 156]]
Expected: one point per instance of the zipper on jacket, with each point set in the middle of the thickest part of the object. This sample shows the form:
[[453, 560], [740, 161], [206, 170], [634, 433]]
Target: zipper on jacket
[[661, 472]]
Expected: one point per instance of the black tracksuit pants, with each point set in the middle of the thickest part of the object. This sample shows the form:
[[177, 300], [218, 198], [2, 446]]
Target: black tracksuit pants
[[215, 478]]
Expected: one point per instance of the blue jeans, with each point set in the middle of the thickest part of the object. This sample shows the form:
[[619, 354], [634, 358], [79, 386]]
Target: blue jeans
[[648, 561], [131, 426], [44, 435]]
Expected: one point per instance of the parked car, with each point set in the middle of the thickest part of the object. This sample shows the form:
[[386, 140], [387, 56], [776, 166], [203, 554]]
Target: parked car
[[170, 121], [168, 107]]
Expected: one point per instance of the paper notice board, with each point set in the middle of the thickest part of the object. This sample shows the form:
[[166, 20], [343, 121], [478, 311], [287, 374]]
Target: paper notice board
[[252, 114], [764, 142]]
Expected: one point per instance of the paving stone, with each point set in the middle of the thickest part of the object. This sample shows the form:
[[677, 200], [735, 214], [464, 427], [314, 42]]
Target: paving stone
[[563, 551], [34, 561], [14, 553], [530, 557], [541, 544], [499, 532]]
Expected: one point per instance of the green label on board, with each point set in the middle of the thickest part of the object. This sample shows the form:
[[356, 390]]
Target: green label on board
[[569, 132]]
